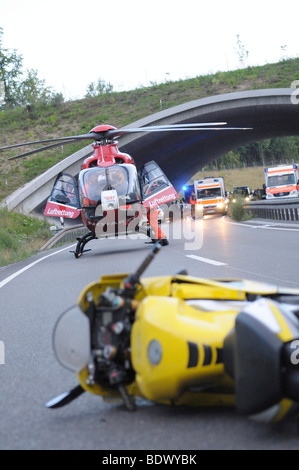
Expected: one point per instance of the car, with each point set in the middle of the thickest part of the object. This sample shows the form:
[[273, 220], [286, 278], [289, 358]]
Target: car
[[242, 192]]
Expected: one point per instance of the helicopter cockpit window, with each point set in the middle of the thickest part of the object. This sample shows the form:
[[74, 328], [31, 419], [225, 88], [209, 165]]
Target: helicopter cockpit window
[[64, 191], [92, 183], [122, 178], [119, 180], [153, 179]]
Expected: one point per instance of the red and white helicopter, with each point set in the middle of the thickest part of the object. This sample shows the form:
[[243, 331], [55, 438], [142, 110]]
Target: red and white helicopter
[[109, 193]]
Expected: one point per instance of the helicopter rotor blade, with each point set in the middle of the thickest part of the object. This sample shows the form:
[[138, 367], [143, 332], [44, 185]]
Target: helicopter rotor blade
[[98, 135], [173, 128], [68, 139], [41, 149], [113, 133]]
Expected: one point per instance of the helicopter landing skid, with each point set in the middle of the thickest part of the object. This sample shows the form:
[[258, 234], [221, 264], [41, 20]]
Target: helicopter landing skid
[[81, 244]]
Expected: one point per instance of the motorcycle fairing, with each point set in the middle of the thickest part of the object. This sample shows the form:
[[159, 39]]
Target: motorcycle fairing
[[253, 358], [190, 342], [167, 286], [199, 345], [64, 198]]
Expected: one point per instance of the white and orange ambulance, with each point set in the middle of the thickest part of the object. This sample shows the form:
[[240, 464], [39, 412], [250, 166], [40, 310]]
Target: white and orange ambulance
[[210, 195], [282, 181]]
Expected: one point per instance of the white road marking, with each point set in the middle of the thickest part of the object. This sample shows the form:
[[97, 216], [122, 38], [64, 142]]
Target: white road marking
[[206, 260], [263, 225], [21, 271]]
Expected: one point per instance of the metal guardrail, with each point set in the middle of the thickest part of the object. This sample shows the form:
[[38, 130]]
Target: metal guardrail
[[66, 235], [70, 234], [284, 209]]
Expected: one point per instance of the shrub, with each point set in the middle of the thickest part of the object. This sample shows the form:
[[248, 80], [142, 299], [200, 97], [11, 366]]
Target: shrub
[[237, 210]]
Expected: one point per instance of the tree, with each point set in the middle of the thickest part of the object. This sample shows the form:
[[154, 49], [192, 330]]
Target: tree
[[57, 99], [10, 72], [17, 89], [32, 91], [284, 149], [99, 88]]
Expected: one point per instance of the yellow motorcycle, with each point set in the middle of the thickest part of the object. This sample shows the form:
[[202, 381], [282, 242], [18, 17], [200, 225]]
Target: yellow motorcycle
[[182, 340]]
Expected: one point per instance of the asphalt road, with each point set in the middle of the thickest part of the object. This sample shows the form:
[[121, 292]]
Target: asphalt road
[[33, 293]]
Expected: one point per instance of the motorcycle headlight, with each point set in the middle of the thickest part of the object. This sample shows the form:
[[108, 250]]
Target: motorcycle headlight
[[154, 352]]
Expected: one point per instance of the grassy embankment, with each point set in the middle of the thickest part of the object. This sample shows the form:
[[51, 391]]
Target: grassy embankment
[[20, 236]]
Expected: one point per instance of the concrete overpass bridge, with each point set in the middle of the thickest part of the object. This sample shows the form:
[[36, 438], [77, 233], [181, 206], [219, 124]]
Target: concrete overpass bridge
[[270, 112]]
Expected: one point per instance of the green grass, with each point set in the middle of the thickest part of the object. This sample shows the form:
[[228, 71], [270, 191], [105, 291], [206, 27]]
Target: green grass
[[20, 236]]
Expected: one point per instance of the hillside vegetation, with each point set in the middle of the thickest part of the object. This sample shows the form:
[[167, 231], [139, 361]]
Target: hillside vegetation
[[20, 236], [118, 109]]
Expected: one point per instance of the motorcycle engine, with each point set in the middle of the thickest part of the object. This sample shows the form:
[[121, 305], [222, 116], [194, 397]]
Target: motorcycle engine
[[111, 324]]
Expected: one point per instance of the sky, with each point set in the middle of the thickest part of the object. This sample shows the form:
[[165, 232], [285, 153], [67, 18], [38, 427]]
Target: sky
[[136, 43]]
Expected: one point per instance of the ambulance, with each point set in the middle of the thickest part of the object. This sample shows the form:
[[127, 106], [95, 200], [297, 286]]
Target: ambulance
[[282, 181], [210, 194]]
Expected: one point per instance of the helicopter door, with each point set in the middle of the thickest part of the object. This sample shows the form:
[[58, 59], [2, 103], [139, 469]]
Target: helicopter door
[[156, 187], [64, 198]]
